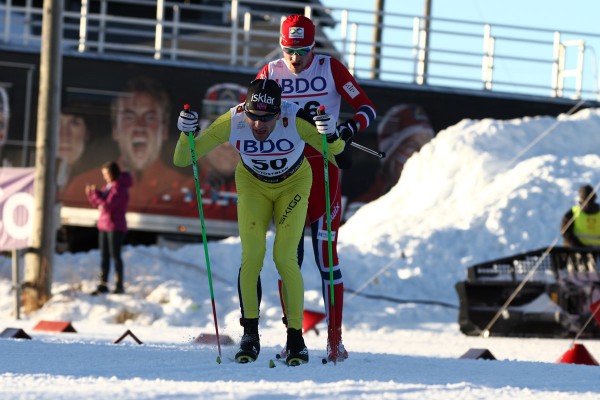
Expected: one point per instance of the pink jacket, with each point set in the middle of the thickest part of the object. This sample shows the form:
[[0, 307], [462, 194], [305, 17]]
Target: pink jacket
[[112, 200]]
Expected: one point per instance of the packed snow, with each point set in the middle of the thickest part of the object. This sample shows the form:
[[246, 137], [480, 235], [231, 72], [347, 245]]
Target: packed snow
[[480, 190]]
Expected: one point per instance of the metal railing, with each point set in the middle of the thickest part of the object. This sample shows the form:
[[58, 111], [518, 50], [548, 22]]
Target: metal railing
[[451, 53]]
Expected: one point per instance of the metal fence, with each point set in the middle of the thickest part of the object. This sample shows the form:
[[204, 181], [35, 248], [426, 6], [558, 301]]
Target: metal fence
[[445, 52]]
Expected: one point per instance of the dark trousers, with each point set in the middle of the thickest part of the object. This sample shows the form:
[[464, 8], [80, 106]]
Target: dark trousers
[[110, 244]]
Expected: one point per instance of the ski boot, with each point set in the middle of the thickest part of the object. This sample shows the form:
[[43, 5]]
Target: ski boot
[[297, 353], [250, 344], [283, 353], [341, 353]]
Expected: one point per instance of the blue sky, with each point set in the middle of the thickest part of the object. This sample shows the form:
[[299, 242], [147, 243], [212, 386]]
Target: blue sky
[[573, 15], [566, 17]]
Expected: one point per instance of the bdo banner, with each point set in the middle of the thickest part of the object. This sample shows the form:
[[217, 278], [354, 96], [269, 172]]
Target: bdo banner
[[16, 207]]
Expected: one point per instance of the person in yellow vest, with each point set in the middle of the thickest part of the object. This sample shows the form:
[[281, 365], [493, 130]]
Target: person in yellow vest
[[580, 226]]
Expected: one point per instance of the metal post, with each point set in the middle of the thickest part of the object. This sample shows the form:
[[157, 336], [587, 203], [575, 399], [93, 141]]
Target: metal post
[[102, 26], [8, 12], [16, 276], [487, 70], [415, 51], [555, 65], [175, 32], [425, 42], [422, 57], [234, 32], [308, 12], [344, 34], [158, 34], [376, 60], [26, 124], [27, 23], [247, 28], [352, 52], [83, 26]]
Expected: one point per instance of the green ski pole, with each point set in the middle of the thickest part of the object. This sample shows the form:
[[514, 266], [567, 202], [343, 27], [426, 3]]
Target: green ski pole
[[186, 108], [331, 327]]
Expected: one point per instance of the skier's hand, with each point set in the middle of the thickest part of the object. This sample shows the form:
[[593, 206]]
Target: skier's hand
[[346, 130], [326, 126], [187, 121]]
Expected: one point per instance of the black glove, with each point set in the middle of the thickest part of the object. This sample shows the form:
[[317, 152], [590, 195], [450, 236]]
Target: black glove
[[346, 130], [344, 159]]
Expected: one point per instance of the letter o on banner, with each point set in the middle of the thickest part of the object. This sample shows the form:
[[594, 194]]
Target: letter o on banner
[[17, 216]]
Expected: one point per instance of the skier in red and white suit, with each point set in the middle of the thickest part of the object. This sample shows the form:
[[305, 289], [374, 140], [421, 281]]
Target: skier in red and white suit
[[313, 80]]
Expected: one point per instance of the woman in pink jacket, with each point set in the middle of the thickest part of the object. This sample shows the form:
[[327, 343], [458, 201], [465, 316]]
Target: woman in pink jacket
[[112, 201]]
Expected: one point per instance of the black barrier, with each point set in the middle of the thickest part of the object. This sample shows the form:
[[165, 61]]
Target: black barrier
[[554, 301]]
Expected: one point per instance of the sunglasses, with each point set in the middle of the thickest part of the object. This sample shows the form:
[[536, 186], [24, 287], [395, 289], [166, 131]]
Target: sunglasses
[[261, 118], [301, 51]]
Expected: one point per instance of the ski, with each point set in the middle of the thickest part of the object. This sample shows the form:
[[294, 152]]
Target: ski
[[291, 363], [294, 362], [326, 360], [244, 359], [241, 360], [272, 362]]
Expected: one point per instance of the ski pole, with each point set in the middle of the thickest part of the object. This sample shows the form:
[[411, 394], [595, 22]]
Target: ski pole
[[334, 344], [186, 108], [376, 153]]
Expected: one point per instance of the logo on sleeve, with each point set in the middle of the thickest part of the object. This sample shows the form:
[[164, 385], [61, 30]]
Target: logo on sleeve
[[351, 89]]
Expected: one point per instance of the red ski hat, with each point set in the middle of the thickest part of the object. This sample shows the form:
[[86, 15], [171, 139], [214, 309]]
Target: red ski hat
[[297, 31]]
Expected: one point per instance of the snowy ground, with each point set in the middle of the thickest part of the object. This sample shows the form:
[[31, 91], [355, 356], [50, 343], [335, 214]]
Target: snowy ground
[[478, 191]]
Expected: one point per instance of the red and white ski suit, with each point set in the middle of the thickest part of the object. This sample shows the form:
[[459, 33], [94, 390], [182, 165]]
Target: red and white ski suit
[[324, 82]]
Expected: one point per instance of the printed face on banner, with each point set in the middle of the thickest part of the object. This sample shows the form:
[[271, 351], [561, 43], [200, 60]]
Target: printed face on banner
[[139, 129], [73, 134]]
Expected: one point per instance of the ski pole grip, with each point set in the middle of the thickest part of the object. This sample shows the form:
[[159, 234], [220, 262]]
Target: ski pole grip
[[187, 109], [321, 110]]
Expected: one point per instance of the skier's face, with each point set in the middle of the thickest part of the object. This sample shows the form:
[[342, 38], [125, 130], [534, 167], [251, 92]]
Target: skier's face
[[297, 61], [139, 129], [262, 123]]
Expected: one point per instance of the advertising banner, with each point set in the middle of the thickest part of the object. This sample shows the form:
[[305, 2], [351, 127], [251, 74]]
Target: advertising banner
[[16, 207], [125, 112]]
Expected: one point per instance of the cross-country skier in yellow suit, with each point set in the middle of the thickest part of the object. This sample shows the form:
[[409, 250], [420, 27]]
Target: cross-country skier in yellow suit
[[273, 180]]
